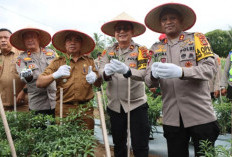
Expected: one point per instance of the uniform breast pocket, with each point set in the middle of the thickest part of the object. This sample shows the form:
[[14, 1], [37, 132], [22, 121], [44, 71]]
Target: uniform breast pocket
[[187, 59]]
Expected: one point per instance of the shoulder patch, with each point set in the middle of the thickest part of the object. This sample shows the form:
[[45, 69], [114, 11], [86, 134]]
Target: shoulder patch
[[143, 57], [202, 47]]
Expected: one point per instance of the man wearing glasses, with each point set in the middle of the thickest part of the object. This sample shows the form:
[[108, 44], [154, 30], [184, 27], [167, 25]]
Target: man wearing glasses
[[122, 60]]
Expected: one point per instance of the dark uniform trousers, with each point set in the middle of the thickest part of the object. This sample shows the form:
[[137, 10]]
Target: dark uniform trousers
[[139, 127], [178, 137]]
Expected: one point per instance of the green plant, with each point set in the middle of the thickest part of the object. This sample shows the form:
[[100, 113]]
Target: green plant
[[38, 135], [207, 150], [223, 113]]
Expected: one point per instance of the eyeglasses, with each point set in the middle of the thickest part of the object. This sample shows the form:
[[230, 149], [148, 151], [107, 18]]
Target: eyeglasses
[[124, 28]]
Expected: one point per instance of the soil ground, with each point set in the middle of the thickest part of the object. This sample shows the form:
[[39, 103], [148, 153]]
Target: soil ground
[[100, 148]]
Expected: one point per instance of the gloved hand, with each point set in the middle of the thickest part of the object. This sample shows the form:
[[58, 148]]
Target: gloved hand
[[168, 70], [109, 69], [25, 73], [119, 67], [91, 77], [63, 70], [154, 68]]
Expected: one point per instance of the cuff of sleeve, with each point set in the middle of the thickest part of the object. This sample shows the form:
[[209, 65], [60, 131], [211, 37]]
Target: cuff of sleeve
[[106, 78], [128, 74], [182, 76]]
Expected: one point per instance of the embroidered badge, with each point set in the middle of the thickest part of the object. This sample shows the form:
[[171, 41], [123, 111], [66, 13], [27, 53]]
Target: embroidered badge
[[111, 54], [132, 65], [43, 50], [31, 66], [134, 54], [27, 59], [188, 64], [49, 54]]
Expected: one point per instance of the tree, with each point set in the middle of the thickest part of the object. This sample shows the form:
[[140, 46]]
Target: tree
[[221, 41], [111, 40], [100, 44]]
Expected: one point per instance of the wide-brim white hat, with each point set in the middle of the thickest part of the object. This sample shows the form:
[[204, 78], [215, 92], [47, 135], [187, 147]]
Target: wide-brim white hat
[[16, 39], [152, 19], [108, 28], [58, 41]]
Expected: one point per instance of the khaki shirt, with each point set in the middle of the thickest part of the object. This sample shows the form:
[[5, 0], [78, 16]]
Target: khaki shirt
[[76, 88], [189, 96], [39, 98], [225, 77], [7, 74], [214, 84], [117, 88]]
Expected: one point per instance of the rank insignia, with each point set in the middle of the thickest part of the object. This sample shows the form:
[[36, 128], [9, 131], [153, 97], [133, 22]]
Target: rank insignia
[[18, 62], [132, 47], [188, 64], [84, 68], [103, 53], [165, 41], [219, 61], [181, 37], [28, 53], [132, 65]]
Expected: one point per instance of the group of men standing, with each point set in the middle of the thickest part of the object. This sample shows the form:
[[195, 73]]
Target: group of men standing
[[176, 64]]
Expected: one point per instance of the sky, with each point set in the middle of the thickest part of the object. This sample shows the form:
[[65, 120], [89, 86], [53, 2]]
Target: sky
[[89, 15]]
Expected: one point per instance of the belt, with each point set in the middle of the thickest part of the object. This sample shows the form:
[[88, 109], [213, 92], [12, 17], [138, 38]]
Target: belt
[[76, 102]]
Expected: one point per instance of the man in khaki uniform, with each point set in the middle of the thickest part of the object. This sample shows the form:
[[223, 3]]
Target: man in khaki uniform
[[214, 84], [31, 63], [122, 60], [182, 65], [226, 81], [8, 72], [76, 77]]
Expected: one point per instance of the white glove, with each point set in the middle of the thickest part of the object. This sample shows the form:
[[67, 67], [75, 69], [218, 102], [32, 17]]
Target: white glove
[[154, 67], [109, 69], [25, 73], [168, 70], [91, 76], [63, 70], [119, 67]]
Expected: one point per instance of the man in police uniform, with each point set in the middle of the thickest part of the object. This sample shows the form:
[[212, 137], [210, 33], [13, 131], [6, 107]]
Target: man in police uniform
[[182, 65], [122, 60], [31, 63], [8, 72], [75, 75], [226, 80]]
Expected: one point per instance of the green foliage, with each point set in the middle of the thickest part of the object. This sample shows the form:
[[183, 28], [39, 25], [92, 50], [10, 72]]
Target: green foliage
[[207, 150], [221, 41], [36, 136], [100, 44], [223, 113]]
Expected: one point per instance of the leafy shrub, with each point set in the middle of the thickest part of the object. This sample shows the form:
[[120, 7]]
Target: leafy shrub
[[35, 136], [223, 113], [207, 150]]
